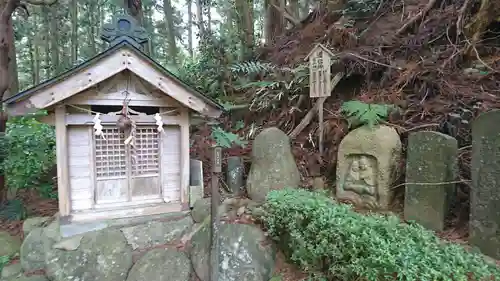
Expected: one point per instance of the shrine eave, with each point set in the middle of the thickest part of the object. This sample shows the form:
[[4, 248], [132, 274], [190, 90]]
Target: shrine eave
[[89, 63]]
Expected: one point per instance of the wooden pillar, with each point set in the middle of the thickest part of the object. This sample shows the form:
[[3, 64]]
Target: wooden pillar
[[62, 161], [184, 124]]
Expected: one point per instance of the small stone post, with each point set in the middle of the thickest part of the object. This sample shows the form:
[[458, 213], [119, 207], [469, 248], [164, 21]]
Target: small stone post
[[485, 191], [430, 165], [234, 174]]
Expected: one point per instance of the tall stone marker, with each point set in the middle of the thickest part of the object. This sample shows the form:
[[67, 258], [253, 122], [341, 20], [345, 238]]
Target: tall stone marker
[[485, 193], [273, 165], [235, 171], [431, 162]]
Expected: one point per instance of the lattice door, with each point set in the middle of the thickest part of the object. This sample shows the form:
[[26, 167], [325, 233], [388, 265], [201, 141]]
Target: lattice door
[[145, 156], [124, 172]]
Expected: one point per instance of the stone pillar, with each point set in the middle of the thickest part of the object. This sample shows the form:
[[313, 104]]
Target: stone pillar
[[431, 161], [485, 191], [234, 174]]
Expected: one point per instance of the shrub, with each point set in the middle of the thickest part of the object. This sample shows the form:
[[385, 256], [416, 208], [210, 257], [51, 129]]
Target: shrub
[[320, 235], [30, 152]]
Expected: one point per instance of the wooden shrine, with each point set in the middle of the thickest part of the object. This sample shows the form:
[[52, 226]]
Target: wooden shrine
[[122, 130]]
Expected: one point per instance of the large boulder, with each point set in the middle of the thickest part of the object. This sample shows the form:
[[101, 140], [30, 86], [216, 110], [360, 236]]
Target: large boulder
[[101, 255], [37, 244], [161, 265], [12, 270], [10, 244], [244, 255], [29, 278], [34, 222], [273, 165], [155, 233]]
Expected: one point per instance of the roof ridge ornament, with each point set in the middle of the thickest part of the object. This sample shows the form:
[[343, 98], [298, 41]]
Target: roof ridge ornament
[[124, 28]]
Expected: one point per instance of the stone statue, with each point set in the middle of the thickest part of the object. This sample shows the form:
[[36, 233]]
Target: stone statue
[[361, 176], [367, 165]]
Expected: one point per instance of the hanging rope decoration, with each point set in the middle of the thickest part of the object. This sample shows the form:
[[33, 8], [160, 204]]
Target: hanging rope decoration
[[125, 123], [131, 137], [97, 121], [97, 126], [159, 122]]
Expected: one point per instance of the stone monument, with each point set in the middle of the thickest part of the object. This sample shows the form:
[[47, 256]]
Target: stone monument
[[367, 164], [485, 191], [431, 167], [273, 165]]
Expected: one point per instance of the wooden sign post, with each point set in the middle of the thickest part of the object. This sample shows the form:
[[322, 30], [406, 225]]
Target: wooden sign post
[[215, 219], [319, 82]]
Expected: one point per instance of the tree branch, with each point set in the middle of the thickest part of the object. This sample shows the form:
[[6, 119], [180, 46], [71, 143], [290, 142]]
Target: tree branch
[[461, 15], [417, 17], [287, 15]]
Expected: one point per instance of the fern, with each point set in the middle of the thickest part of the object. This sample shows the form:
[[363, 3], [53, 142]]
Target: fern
[[257, 67], [259, 84], [226, 139], [275, 85], [361, 113], [253, 67]]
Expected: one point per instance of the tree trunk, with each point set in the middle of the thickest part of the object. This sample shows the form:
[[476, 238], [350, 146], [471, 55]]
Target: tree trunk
[[208, 12], [148, 25], [46, 42], [6, 48], [54, 42], [304, 9], [36, 54], [169, 21], [294, 8], [8, 70], [100, 22], [244, 12], [74, 31], [14, 80], [31, 51], [199, 17], [92, 27], [275, 22], [190, 28]]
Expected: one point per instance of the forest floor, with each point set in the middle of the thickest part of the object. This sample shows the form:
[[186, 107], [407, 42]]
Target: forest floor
[[36, 206]]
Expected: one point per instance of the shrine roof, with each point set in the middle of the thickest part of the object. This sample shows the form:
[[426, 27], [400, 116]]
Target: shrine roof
[[177, 88]]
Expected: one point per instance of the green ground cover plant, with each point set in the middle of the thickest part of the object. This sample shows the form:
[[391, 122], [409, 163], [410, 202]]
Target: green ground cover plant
[[320, 235]]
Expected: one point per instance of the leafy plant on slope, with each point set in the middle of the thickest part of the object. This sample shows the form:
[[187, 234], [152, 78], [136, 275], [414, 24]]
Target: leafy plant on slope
[[359, 113]]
